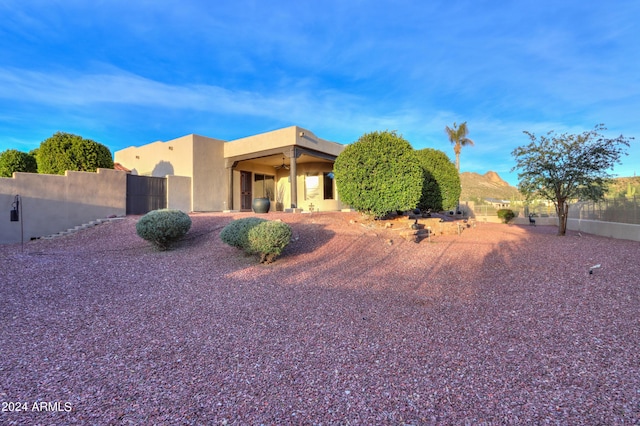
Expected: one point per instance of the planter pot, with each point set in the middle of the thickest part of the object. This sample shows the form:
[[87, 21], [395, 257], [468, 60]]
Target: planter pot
[[261, 205]]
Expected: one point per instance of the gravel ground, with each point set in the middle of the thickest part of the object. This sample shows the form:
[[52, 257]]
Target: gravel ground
[[500, 325]]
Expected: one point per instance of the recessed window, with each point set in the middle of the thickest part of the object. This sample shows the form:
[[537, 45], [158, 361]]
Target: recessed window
[[264, 186], [327, 180], [311, 187]]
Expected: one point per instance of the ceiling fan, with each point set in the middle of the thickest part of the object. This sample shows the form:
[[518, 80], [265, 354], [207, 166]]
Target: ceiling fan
[[282, 166]]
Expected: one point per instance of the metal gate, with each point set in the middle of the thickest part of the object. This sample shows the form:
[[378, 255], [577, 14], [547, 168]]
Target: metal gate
[[145, 193]]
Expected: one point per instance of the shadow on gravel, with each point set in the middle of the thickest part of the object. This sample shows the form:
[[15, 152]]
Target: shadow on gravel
[[511, 330], [307, 238], [204, 231]]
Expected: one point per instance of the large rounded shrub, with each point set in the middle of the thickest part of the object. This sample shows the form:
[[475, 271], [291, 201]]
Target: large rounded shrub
[[65, 151], [13, 160], [441, 183], [268, 239], [236, 233], [378, 174], [163, 227]]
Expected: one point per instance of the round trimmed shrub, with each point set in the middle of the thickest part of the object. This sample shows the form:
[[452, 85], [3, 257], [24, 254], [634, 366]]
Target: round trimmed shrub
[[13, 160], [441, 184], [268, 239], [506, 215], [236, 233], [378, 174], [66, 151], [163, 227]]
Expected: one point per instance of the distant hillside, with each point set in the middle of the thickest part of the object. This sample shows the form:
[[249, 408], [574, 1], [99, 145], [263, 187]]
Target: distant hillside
[[620, 186], [477, 187]]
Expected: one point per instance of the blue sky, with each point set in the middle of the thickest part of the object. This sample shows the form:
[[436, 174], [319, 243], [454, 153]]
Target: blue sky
[[132, 72]]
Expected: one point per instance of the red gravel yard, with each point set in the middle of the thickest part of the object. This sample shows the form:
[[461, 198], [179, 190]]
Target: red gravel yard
[[352, 325]]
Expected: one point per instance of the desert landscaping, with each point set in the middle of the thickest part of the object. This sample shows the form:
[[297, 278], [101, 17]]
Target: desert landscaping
[[351, 325]]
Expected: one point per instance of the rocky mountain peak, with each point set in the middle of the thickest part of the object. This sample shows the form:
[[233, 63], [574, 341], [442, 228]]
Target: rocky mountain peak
[[493, 177]]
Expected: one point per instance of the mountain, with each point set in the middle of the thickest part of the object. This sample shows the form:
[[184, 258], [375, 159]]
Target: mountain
[[477, 187], [622, 186]]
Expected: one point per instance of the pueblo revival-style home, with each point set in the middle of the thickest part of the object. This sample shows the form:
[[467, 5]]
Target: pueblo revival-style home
[[291, 166]]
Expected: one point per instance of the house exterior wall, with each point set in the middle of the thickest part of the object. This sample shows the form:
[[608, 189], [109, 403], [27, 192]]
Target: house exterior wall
[[179, 193], [253, 167], [281, 138], [305, 200], [54, 203], [205, 161], [197, 157], [209, 179], [159, 159]]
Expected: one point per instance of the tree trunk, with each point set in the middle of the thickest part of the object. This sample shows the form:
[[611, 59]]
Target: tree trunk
[[562, 208]]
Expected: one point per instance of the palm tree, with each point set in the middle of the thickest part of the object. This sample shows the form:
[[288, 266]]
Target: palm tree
[[458, 137]]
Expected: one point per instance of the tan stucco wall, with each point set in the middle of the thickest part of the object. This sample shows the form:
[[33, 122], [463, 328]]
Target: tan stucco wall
[[159, 159], [209, 183], [282, 183], [319, 204], [197, 157], [623, 231], [543, 221], [278, 139], [54, 203], [250, 166], [179, 193], [203, 159]]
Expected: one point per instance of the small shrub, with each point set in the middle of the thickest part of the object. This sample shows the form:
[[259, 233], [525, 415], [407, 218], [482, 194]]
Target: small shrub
[[257, 236], [506, 215], [236, 233], [268, 239], [163, 227]]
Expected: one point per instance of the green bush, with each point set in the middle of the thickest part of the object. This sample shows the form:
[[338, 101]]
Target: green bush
[[268, 239], [163, 227], [13, 160], [378, 174], [441, 183], [506, 215], [257, 236], [236, 233], [65, 151]]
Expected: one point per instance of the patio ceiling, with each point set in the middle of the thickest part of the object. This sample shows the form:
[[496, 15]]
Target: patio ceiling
[[274, 157]]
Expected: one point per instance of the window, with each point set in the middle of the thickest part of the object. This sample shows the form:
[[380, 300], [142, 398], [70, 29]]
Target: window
[[264, 186], [327, 179], [311, 187]]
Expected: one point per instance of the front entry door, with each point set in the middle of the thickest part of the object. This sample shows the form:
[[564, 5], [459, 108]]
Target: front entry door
[[245, 191]]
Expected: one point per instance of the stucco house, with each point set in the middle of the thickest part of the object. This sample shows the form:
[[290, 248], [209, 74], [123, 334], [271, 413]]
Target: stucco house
[[291, 166]]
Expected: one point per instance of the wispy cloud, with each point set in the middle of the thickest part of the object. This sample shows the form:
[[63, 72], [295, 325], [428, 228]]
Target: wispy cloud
[[143, 70]]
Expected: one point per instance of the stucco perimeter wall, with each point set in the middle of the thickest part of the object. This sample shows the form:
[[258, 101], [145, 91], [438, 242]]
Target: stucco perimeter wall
[[544, 221], [54, 203], [288, 136], [623, 231]]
